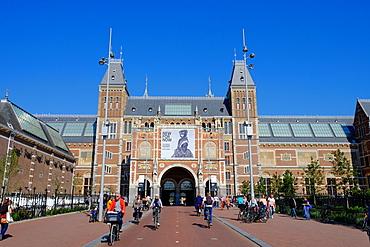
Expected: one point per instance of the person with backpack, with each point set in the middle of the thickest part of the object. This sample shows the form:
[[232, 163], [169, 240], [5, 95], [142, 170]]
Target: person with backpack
[[207, 204], [4, 209], [293, 206]]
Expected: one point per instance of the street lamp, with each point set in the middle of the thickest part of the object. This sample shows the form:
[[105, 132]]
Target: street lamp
[[248, 125], [105, 127], [209, 162], [7, 161], [146, 162]]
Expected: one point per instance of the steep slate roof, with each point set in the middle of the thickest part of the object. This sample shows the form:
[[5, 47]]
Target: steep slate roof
[[23, 123], [237, 76], [365, 104], [148, 106], [116, 74], [306, 129], [73, 128]]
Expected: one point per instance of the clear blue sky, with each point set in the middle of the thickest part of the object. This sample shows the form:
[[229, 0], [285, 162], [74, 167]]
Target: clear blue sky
[[312, 57]]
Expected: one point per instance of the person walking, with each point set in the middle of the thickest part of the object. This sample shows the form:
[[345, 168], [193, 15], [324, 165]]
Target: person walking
[[89, 201], [118, 205], [293, 206], [306, 208], [4, 209], [271, 205]]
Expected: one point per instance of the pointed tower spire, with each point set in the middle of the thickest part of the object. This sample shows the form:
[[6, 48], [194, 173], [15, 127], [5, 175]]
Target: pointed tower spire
[[146, 87], [209, 88], [7, 94]]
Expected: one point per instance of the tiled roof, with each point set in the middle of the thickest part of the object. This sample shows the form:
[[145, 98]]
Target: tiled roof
[[148, 106]]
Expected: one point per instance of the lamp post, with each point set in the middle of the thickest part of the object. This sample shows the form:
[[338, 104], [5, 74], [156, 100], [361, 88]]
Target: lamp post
[[209, 166], [105, 127], [146, 161], [248, 124], [3, 186]]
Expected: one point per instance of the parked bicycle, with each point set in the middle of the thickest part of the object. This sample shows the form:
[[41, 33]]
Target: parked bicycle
[[325, 215], [242, 212], [113, 218]]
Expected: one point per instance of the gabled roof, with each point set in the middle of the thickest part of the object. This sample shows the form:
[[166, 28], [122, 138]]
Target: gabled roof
[[177, 106], [16, 119], [365, 105]]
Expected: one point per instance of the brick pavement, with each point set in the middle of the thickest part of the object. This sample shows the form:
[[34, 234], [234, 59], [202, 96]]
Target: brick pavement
[[283, 230], [181, 227], [180, 224]]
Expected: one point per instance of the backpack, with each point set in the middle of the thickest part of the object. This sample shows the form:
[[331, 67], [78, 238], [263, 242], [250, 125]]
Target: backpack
[[3, 209], [208, 200], [309, 206]]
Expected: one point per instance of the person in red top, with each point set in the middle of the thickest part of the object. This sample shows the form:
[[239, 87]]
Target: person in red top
[[118, 205]]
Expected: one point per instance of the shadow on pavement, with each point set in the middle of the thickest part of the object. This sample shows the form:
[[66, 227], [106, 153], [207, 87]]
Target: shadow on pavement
[[200, 225]]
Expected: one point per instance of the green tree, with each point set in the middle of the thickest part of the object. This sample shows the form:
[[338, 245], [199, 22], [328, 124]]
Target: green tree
[[276, 183], [9, 167], [260, 187], [313, 177], [289, 183], [245, 187], [343, 171]]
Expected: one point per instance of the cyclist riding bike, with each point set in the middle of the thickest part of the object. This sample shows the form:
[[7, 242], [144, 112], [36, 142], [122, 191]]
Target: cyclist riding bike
[[156, 204], [138, 204], [198, 203], [118, 205], [207, 204]]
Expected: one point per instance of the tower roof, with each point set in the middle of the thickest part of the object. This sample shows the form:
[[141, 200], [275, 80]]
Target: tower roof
[[116, 73], [237, 77]]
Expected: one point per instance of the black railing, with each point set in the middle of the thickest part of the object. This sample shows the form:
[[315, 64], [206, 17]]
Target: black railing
[[32, 205]]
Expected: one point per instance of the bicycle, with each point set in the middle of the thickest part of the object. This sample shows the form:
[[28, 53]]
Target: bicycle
[[137, 214], [242, 212], [199, 209], [250, 215], [326, 213], [113, 218], [156, 211], [207, 216]]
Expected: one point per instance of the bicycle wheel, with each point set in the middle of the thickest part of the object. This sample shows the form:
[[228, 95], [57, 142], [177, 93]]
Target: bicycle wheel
[[112, 234], [208, 222], [117, 233]]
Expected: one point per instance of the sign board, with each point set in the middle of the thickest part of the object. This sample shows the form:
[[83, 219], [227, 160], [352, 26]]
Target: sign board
[[178, 144]]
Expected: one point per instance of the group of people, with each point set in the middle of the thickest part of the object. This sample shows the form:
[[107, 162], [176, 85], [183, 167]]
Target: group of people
[[306, 207]]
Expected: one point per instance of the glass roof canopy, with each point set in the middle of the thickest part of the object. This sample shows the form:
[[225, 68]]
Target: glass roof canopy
[[303, 130], [29, 123]]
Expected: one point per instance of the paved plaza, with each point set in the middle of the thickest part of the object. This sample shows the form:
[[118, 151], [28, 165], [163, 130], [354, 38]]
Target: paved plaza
[[181, 227]]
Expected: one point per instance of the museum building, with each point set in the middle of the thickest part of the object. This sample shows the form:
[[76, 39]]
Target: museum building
[[183, 146]]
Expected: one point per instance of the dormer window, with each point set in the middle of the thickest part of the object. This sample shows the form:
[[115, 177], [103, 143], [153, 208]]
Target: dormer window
[[113, 77], [205, 109], [133, 109]]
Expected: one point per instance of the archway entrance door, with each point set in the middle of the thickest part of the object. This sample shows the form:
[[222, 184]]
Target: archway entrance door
[[178, 187]]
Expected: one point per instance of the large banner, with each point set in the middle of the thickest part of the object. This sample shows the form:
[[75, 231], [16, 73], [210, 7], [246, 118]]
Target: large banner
[[178, 144]]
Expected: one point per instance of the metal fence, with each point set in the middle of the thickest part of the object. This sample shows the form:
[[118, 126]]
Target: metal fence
[[32, 205]]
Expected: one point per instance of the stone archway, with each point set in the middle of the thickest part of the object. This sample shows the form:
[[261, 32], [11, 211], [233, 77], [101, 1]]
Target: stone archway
[[177, 183]]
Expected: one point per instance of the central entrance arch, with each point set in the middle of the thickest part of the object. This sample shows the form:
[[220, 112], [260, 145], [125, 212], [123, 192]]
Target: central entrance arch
[[178, 187]]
